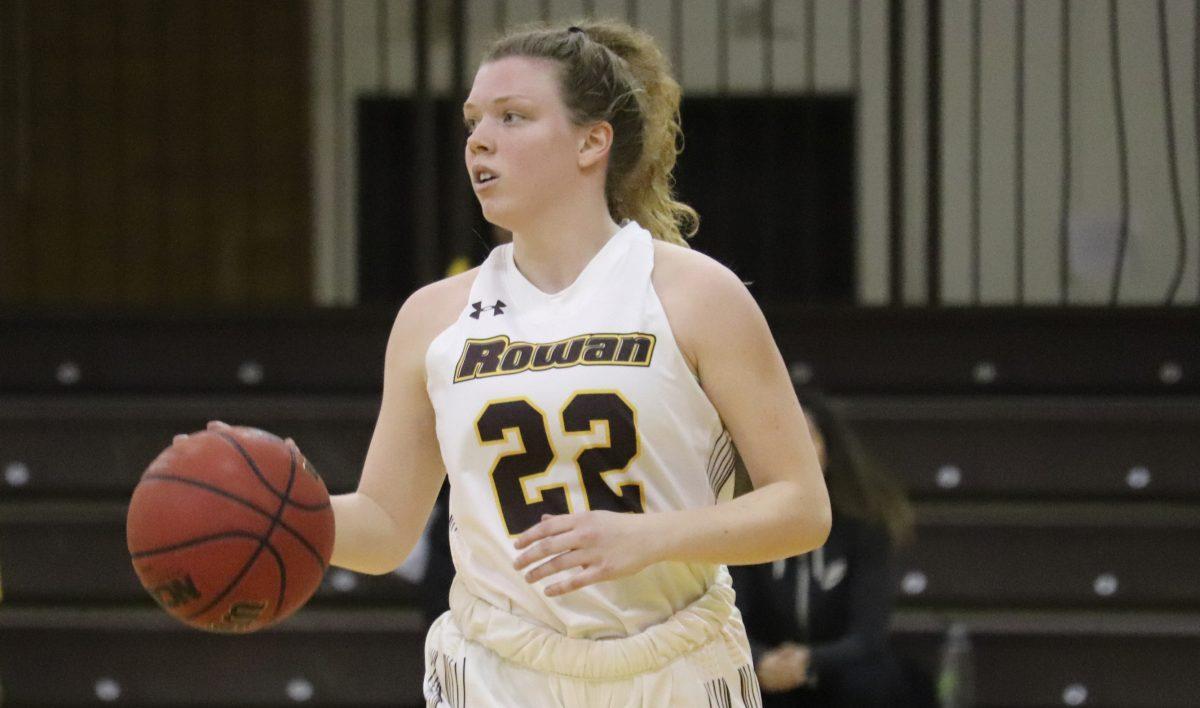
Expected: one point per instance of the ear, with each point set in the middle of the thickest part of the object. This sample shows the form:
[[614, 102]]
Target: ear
[[595, 143]]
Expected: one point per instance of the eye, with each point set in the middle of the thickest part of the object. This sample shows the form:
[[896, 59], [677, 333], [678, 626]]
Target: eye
[[469, 124], [510, 117]]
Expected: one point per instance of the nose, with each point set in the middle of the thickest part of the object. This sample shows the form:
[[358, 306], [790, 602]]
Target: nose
[[478, 141]]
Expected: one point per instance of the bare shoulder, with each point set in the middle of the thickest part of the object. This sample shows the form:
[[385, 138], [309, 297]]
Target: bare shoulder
[[429, 311], [679, 268], [701, 296]]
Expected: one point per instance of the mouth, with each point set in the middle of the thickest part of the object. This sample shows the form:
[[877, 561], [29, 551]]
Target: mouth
[[483, 177]]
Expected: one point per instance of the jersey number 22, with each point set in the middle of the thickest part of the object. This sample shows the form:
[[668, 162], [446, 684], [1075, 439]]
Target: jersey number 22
[[512, 472]]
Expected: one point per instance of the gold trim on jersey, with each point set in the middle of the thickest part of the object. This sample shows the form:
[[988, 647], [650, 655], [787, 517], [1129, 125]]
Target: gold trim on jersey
[[500, 356]]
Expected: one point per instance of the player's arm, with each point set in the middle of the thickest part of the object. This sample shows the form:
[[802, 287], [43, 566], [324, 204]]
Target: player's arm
[[377, 526], [741, 370], [723, 332]]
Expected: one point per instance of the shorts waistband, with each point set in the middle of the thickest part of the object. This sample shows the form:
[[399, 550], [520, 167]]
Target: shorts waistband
[[543, 649]]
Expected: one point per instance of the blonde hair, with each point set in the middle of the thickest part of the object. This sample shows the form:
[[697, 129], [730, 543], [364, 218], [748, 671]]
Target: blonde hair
[[613, 72]]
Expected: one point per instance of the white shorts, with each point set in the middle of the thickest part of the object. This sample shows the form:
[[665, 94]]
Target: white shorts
[[480, 656]]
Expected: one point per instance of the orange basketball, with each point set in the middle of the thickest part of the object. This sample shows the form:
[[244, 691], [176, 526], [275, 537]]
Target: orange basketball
[[230, 529]]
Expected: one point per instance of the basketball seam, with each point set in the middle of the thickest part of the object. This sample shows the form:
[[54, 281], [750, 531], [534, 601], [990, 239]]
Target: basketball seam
[[214, 537], [275, 523], [193, 542], [262, 478], [157, 476]]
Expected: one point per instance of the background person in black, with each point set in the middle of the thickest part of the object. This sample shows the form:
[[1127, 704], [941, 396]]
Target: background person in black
[[818, 623]]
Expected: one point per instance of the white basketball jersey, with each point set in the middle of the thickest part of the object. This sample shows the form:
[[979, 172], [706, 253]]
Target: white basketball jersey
[[549, 404]]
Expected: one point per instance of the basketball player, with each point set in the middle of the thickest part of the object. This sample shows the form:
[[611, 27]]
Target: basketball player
[[583, 389]]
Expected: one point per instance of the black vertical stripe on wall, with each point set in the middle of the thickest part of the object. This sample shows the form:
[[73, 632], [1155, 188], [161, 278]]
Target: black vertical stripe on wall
[[1172, 159], [933, 134], [810, 45], [1114, 43], [426, 226], [855, 16], [896, 150], [771, 232], [462, 206], [811, 205]]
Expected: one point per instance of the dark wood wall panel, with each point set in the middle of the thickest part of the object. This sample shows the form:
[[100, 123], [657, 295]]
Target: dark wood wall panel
[[51, 198], [13, 255], [183, 117], [96, 227], [228, 102], [279, 193], [167, 148], [140, 149]]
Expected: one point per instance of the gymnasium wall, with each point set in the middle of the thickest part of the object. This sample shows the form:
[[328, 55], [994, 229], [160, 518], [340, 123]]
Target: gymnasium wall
[[189, 153], [978, 236], [154, 154]]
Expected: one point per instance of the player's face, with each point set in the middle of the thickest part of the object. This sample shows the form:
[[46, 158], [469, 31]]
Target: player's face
[[522, 148]]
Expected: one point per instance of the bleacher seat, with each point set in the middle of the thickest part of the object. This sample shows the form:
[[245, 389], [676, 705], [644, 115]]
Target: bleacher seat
[[65, 656], [65, 553], [1034, 447], [1027, 658], [69, 446], [1081, 556]]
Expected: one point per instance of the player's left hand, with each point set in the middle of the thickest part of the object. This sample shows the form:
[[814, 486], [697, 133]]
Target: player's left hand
[[603, 545]]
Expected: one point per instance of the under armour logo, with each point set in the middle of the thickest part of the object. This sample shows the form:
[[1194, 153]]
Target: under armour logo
[[497, 309]]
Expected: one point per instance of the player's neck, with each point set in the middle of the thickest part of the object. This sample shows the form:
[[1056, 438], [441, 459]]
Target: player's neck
[[552, 253]]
